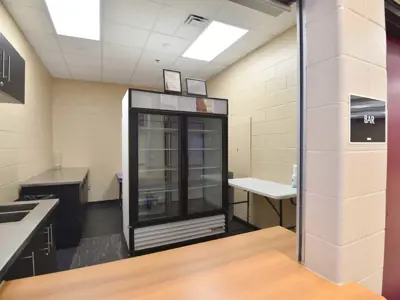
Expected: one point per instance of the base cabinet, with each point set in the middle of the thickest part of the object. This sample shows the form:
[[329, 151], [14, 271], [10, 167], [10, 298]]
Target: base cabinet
[[39, 256], [70, 212]]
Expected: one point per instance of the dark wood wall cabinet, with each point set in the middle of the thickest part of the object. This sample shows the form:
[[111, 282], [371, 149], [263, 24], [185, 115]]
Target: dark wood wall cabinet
[[12, 73], [39, 256]]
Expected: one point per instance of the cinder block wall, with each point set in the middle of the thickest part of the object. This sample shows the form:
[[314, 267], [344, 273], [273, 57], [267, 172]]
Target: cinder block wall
[[26, 146], [262, 89], [87, 131]]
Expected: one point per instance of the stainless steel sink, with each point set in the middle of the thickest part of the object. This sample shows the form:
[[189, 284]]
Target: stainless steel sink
[[13, 216], [17, 207]]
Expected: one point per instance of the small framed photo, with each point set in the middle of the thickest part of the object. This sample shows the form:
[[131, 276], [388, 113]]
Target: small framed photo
[[172, 82], [196, 87]]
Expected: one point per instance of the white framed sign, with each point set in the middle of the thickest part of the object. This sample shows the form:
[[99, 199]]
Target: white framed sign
[[367, 120], [172, 82], [196, 87]]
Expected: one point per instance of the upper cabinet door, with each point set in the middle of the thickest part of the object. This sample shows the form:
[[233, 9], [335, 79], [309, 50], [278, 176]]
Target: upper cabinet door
[[3, 81], [12, 67]]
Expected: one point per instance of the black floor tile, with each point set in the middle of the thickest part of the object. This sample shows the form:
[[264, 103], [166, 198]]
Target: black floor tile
[[65, 258], [101, 238], [102, 219], [99, 250], [238, 227]]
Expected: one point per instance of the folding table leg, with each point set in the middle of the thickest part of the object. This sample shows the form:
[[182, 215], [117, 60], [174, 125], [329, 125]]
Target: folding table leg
[[248, 207]]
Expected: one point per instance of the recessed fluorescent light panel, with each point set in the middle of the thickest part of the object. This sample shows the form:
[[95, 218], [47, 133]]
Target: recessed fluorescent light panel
[[76, 18], [214, 40]]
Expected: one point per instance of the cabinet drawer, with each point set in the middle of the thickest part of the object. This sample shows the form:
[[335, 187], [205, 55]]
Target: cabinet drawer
[[23, 267]]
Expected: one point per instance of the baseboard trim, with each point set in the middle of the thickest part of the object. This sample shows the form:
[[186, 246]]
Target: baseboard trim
[[111, 201], [254, 227]]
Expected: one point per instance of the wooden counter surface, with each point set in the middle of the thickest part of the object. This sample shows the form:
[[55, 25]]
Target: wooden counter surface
[[257, 265]]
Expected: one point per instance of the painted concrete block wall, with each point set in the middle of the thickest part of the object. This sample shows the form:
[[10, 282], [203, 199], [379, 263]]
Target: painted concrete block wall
[[87, 131], [262, 89], [25, 130], [345, 184]]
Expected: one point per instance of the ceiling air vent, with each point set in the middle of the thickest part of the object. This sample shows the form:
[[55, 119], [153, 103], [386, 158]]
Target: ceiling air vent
[[196, 21], [269, 7]]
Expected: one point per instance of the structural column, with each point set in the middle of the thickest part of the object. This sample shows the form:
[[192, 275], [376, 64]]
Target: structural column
[[345, 184]]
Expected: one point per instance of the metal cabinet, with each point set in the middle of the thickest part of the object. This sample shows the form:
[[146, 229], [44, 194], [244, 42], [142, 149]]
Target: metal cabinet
[[39, 256], [12, 72]]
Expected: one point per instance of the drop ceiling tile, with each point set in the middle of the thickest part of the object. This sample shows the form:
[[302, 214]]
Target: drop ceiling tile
[[149, 59], [86, 73], [189, 66], [210, 70], [169, 20], [167, 44], [122, 35], [82, 61], [31, 19], [43, 41], [122, 54], [50, 57], [146, 72], [190, 32], [113, 69], [86, 77], [139, 13], [77, 46]]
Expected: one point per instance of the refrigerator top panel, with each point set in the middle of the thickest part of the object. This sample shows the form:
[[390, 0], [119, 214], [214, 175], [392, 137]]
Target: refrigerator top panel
[[153, 100]]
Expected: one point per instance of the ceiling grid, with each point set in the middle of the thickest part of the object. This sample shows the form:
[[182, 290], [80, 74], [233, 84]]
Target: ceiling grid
[[137, 33]]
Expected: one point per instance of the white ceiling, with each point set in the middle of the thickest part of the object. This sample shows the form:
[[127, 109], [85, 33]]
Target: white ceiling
[[136, 33]]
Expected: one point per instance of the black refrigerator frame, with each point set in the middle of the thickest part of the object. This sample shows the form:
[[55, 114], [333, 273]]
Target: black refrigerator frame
[[183, 173]]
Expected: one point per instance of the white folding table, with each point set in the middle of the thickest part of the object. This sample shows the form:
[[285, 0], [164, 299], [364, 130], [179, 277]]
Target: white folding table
[[268, 189]]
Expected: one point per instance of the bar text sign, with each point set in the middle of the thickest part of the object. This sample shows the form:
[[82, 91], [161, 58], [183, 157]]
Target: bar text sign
[[367, 120]]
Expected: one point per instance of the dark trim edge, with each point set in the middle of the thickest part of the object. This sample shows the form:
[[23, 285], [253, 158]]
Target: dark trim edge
[[110, 201], [301, 127], [252, 226]]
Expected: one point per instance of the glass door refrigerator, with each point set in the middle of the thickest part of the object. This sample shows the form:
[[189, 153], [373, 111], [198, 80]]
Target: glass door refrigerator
[[175, 186]]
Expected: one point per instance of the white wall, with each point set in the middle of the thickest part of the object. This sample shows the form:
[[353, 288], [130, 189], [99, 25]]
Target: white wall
[[25, 130], [262, 92], [87, 131], [125, 167]]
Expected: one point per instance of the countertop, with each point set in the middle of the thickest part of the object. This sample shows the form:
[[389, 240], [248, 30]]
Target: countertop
[[257, 265], [14, 236], [57, 177]]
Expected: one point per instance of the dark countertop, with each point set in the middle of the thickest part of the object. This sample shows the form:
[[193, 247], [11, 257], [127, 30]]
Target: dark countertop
[[57, 177], [14, 236]]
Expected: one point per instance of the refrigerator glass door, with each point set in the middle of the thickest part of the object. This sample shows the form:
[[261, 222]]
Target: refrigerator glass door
[[204, 164], [159, 161]]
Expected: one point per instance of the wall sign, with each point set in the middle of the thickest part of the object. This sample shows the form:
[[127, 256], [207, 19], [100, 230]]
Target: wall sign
[[196, 87], [367, 120], [172, 82]]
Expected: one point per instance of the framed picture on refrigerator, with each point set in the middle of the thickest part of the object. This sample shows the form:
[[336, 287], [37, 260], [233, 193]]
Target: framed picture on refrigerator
[[172, 82], [196, 87]]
